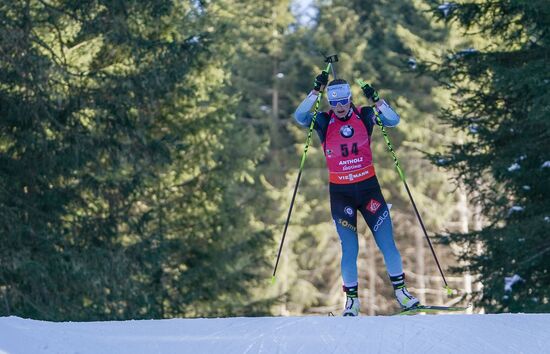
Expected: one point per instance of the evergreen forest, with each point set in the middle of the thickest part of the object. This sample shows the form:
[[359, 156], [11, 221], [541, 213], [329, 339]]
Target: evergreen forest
[[149, 154]]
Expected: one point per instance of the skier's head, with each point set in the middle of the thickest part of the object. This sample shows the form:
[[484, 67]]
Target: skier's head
[[339, 97]]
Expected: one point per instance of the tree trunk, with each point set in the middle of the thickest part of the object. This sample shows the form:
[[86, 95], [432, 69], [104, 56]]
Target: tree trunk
[[274, 125]]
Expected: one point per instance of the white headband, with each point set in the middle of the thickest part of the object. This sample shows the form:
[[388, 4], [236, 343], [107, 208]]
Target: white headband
[[338, 92]]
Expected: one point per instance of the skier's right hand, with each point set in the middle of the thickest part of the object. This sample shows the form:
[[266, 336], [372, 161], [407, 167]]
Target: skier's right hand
[[321, 81]]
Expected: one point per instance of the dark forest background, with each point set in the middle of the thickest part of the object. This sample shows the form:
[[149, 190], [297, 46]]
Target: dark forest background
[[148, 155]]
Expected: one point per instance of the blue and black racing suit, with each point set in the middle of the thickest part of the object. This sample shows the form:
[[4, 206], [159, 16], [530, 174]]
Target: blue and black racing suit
[[353, 184]]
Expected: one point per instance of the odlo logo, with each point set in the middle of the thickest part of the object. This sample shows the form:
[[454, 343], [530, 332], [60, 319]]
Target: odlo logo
[[380, 220], [373, 206]]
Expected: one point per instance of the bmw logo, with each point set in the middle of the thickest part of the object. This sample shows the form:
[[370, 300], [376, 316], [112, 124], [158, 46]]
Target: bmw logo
[[346, 131]]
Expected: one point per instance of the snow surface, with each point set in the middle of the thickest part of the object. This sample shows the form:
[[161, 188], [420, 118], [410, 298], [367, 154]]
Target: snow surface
[[502, 333]]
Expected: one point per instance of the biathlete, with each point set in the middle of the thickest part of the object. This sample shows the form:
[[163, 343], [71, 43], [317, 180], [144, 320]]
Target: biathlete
[[345, 133]]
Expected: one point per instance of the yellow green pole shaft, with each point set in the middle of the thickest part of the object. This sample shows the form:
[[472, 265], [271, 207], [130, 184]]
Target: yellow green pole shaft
[[402, 175]]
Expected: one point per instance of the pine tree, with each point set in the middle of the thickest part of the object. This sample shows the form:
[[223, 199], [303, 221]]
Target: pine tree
[[119, 161], [501, 105]]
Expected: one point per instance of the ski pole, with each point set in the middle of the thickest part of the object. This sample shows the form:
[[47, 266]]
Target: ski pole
[[331, 59], [304, 155], [402, 175]]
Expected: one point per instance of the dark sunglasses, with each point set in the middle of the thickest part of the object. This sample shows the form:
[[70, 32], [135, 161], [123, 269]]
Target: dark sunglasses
[[343, 102]]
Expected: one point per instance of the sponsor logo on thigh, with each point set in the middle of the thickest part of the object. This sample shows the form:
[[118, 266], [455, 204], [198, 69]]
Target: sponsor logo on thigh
[[381, 220], [346, 224]]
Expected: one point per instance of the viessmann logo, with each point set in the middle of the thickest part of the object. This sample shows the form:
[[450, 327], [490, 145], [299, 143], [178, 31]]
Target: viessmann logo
[[353, 176]]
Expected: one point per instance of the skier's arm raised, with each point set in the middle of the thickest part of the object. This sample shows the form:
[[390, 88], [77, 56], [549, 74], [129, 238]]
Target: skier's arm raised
[[303, 113]]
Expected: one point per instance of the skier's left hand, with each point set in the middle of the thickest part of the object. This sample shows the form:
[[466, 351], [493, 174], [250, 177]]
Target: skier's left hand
[[370, 92]]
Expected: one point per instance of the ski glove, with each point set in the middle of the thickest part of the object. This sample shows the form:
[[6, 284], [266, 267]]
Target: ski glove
[[321, 80], [370, 92]]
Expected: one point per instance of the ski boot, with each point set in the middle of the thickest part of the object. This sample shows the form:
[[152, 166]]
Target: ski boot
[[352, 302], [405, 299]]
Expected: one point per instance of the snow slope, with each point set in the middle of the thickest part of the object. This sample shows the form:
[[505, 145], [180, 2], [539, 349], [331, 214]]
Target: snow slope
[[504, 333]]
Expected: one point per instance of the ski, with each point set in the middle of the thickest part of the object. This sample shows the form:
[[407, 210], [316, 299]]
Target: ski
[[430, 309]]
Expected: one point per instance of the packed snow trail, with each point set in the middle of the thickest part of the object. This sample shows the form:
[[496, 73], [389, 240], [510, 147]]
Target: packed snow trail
[[504, 333]]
